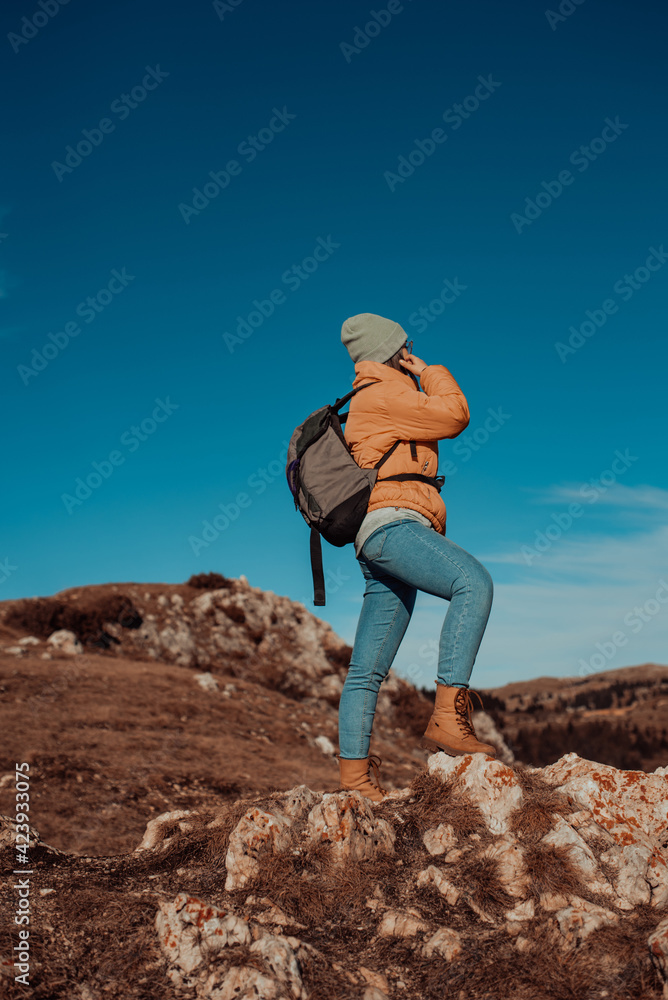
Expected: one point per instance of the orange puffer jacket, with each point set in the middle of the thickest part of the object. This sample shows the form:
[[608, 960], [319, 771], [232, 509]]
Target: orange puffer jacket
[[394, 409]]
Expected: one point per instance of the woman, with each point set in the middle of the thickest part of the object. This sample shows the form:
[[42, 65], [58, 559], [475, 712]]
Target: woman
[[401, 545]]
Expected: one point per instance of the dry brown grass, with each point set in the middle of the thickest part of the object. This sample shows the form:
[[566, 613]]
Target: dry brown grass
[[541, 802], [324, 982], [437, 801], [85, 617], [551, 869], [312, 886], [209, 581], [103, 936], [479, 877], [612, 963], [106, 917]]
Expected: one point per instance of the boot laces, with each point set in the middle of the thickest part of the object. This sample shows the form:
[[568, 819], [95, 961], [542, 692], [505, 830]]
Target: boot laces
[[375, 762], [463, 708]]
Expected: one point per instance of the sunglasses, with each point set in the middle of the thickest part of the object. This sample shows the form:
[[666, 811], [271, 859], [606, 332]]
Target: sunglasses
[[409, 346]]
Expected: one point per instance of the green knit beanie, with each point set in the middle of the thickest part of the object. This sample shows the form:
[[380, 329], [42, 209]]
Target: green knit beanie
[[368, 337]]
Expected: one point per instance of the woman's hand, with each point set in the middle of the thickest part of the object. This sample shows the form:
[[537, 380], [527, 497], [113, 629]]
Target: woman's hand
[[413, 364]]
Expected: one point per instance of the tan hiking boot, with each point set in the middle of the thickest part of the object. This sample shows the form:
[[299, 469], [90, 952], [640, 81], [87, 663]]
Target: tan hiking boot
[[450, 728], [355, 777]]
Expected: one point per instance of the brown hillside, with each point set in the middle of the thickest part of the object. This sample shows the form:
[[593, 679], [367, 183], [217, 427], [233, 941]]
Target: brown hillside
[[179, 743]]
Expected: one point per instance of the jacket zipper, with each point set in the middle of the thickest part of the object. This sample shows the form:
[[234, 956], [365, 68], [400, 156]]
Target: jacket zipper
[[425, 466]]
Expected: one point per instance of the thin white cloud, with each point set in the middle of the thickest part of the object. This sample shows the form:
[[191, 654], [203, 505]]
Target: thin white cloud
[[580, 592], [618, 495], [592, 557]]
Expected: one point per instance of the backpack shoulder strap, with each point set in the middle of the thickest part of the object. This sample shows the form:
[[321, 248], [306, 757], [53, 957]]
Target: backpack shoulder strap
[[342, 402], [386, 455], [344, 416], [316, 569]]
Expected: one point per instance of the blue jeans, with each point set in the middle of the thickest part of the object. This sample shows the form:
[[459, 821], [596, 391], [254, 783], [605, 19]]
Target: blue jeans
[[397, 560]]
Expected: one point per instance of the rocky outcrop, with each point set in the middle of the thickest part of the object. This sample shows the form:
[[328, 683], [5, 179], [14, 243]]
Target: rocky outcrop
[[250, 633], [602, 834], [311, 893]]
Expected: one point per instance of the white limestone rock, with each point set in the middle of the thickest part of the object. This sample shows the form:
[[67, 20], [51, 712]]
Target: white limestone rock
[[396, 923], [442, 883], [156, 828], [445, 942], [255, 831], [492, 785], [439, 840], [603, 789], [510, 865], [207, 681], [65, 641], [281, 960], [326, 745], [178, 643], [298, 801], [579, 919], [347, 821], [191, 932], [582, 856]]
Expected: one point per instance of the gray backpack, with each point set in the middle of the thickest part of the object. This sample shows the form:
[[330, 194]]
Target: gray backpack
[[330, 490]]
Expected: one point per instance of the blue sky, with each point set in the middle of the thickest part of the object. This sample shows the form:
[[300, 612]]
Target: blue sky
[[533, 154]]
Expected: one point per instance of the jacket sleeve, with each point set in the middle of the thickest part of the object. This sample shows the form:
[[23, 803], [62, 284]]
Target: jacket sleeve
[[441, 411]]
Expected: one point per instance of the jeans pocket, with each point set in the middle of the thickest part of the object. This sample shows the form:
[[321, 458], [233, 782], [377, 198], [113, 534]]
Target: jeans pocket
[[373, 546]]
